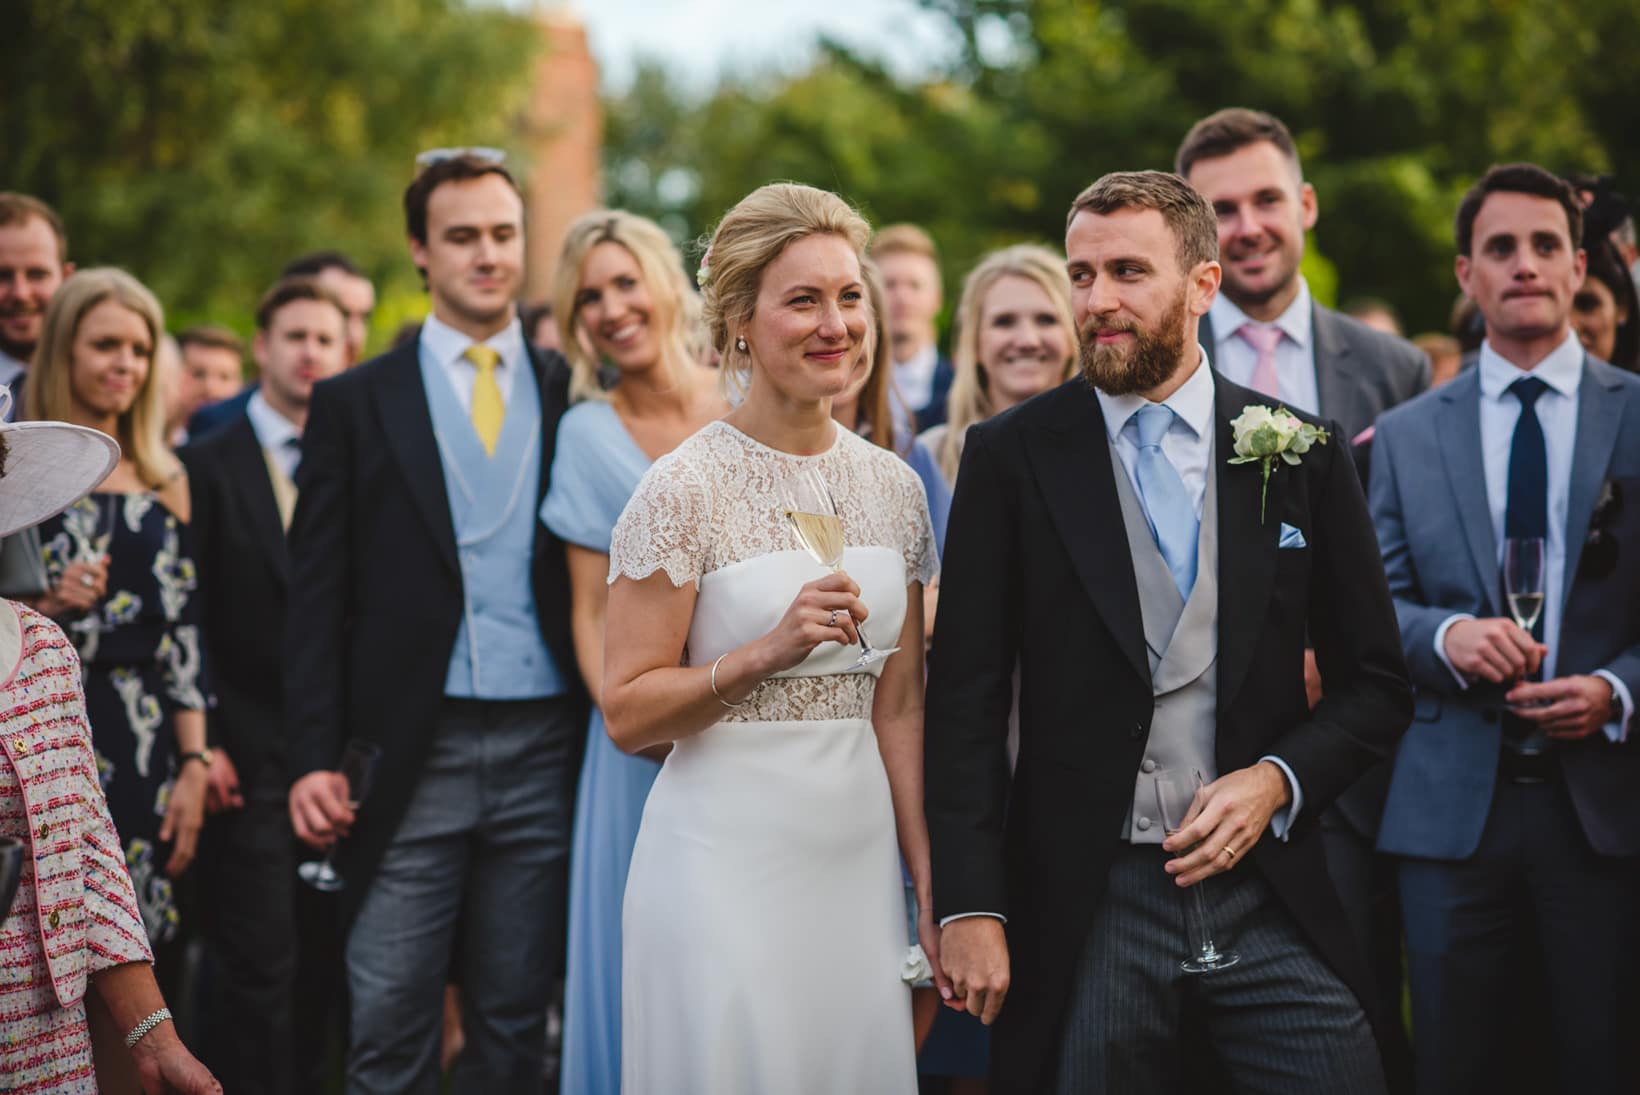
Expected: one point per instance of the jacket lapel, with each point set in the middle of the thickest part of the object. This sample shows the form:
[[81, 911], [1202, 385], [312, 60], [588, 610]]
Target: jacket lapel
[[1247, 542], [1459, 434], [1072, 461], [407, 424], [551, 388], [248, 470], [1599, 416]]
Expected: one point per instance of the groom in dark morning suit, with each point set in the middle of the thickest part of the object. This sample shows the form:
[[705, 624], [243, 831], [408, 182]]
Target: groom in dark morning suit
[[1157, 607], [242, 481], [1514, 812], [429, 615]]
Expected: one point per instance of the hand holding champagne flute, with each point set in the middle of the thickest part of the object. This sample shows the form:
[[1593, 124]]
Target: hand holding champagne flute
[[813, 517]]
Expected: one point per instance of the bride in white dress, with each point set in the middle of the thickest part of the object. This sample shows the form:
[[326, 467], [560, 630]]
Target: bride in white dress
[[764, 927]]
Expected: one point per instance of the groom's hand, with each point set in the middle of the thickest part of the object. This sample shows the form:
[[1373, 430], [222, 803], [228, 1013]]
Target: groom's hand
[[974, 954], [1226, 820]]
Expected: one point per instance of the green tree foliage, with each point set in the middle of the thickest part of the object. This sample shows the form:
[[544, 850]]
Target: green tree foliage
[[203, 144], [1397, 105]]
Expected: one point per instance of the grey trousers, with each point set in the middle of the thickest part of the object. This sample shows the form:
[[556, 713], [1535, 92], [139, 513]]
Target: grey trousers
[[483, 845], [1280, 1021]]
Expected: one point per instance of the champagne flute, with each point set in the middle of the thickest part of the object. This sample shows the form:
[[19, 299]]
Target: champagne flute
[[358, 767], [1174, 796], [813, 517], [11, 871], [1523, 559]]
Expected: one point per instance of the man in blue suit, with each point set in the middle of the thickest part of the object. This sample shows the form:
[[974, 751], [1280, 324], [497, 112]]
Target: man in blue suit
[[1515, 802]]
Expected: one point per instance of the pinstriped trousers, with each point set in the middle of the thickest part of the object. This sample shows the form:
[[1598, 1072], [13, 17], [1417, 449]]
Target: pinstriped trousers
[[1279, 1022]]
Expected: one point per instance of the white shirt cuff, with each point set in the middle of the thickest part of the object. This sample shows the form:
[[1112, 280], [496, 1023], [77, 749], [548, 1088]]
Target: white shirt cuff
[[1618, 730], [1440, 646], [965, 916], [1282, 823]]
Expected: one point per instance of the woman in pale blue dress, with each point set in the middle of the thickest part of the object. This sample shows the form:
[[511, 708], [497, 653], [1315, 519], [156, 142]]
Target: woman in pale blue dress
[[625, 309]]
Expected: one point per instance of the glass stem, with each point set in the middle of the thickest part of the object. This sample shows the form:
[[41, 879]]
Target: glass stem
[[1200, 928], [859, 629]]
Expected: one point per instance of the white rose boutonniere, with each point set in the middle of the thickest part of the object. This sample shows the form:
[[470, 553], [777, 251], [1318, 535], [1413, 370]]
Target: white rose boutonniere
[[1264, 436]]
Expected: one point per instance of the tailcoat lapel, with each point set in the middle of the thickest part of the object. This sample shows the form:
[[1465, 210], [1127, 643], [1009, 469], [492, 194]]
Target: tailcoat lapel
[[1073, 466], [407, 424], [247, 468], [1247, 542]]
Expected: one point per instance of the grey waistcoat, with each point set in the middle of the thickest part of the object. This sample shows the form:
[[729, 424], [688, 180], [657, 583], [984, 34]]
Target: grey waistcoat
[[1182, 641]]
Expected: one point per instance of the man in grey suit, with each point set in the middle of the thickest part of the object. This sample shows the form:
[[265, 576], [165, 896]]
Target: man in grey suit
[[1266, 332], [1515, 803]]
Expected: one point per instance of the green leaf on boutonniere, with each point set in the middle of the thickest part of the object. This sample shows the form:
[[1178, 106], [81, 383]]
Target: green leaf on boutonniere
[[1262, 436]]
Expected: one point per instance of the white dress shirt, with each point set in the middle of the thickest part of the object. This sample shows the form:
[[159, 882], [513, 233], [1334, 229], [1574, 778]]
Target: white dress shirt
[[274, 432], [10, 370], [447, 347], [1295, 353], [915, 378], [1556, 411]]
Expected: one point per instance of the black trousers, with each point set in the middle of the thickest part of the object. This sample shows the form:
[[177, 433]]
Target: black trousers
[[248, 876]]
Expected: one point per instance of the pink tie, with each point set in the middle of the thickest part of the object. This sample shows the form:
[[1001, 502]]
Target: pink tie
[[1264, 340]]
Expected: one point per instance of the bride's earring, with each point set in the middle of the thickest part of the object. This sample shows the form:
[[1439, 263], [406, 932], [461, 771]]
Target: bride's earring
[[740, 343]]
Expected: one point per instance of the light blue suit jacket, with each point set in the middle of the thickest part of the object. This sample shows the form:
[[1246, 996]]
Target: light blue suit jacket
[[1428, 501]]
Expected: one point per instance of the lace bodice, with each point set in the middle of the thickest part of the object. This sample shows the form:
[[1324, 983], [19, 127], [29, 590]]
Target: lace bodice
[[714, 503]]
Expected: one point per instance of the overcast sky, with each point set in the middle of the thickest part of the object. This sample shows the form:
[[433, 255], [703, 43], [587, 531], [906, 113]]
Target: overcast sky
[[701, 39]]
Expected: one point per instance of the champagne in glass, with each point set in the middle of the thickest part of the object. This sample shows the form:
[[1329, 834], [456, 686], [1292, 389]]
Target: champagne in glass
[[358, 767], [1174, 796], [813, 517], [1523, 565]]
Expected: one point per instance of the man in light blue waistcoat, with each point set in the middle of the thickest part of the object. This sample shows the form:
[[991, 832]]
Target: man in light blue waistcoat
[[430, 616]]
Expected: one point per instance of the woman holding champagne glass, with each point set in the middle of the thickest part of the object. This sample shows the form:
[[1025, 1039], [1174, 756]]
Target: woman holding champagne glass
[[764, 926]]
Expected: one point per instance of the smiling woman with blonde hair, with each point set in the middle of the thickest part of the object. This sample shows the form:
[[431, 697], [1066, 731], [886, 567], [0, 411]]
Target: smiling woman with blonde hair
[[765, 877], [1014, 339], [624, 307]]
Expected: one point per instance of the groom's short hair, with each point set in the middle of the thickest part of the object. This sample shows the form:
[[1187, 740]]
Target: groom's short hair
[[1180, 204]]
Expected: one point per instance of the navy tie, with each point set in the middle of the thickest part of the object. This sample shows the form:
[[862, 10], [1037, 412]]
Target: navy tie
[[1527, 512]]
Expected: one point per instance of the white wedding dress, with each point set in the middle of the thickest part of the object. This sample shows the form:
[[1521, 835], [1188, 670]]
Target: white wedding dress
[[764, 924]]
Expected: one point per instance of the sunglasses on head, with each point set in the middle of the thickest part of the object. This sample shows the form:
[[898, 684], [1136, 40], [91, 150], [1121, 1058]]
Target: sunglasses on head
[[427, 159], [1600, 545]]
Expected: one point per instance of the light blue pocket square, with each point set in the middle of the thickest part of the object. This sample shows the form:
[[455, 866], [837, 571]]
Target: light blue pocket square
[[1291, 537]]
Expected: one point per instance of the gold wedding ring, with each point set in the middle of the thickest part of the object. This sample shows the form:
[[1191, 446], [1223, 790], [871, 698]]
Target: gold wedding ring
[[1230, 851]]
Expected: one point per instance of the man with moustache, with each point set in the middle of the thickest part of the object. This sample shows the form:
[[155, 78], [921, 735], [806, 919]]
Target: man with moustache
[[242, 482], [33, 266], [1266, 332], [1515, 804], [429, 616], [1156, 604]]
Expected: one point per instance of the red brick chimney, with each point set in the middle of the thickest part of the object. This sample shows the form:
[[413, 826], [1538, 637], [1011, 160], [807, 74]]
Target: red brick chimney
[[564, 133]]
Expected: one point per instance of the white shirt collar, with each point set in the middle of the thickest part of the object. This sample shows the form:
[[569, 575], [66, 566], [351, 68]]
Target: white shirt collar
[[1192, 403], [1562, 370], [447, 345], [1295, 322], [923, 361], [272, 429]]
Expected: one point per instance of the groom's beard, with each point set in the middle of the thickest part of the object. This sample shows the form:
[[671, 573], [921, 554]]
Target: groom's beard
[[1138, 366]]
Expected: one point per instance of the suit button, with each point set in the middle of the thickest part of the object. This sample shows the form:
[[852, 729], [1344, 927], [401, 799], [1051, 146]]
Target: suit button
[[1143, 824], [55, 918], [1138, 731], [1490, 714], [1148, 766]]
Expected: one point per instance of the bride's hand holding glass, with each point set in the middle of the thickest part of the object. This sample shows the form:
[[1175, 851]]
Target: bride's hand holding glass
[[824, 611]]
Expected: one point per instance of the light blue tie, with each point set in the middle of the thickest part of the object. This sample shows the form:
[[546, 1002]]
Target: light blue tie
[[1172, 515]]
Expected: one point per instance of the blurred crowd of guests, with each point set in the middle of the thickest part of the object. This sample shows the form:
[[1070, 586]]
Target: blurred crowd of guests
[[412, 551]]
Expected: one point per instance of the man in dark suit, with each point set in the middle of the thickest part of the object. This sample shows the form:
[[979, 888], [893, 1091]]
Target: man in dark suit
[[1156, 600], [242, 482], [1515, 804], [1267, 333], [430, 617], [910, 266]]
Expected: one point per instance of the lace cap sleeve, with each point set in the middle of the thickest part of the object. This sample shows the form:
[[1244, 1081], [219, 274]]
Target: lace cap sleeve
[[922, 560], [664, 526]]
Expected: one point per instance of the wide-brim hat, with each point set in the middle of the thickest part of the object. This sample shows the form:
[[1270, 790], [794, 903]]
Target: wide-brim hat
[[48, 467]]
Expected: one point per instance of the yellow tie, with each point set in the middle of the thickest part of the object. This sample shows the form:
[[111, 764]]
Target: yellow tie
[[488, 407]]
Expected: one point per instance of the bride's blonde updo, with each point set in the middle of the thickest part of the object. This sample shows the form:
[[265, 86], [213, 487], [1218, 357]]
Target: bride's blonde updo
[[750, 237]]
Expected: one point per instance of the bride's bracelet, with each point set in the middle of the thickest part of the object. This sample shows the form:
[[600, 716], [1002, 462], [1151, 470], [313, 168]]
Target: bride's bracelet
[[715, 691]]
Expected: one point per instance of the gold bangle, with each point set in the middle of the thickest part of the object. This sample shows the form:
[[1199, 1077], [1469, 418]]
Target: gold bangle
[[715, 691]]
